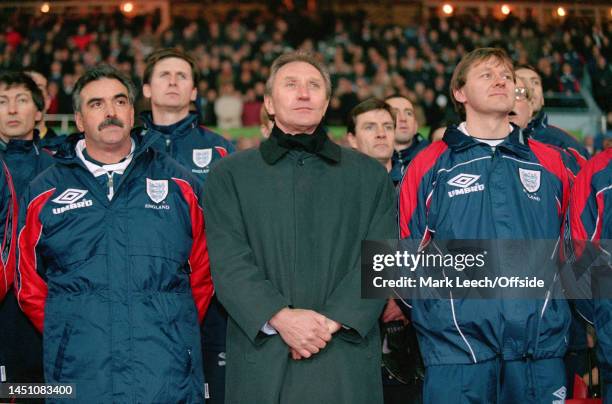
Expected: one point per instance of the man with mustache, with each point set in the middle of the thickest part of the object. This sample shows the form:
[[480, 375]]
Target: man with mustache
[[21, 107], [170, 80], [113, 265]]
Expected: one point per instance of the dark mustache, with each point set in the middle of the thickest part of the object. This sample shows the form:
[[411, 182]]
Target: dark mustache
[[110, 122]]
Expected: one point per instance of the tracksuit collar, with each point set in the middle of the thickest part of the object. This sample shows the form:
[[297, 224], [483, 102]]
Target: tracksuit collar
[[67, 153], [20, 146], [538, 121], [180, 128], [406, 153], [515, 142]]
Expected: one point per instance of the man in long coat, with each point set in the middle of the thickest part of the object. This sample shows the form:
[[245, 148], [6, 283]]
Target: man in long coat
[[285, 224]]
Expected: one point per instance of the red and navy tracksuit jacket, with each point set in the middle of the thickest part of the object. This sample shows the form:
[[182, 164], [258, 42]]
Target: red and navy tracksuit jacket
[[191, 144], [25, 160], [402, 158], [591, 229], [117, 287], [197, 149], [539, 129], [434, 204], [8, 230]]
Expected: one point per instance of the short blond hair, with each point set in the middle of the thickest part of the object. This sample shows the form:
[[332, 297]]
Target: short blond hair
[[475, 57]]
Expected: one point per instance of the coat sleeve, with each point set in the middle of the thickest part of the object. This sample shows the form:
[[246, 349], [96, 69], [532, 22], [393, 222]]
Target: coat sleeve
[[8, 229], [31, 284], [345, 304], [250, 299], [200, 279]]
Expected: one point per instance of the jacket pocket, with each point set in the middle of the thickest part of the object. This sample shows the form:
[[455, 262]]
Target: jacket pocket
[[61, 350], [189, 386]]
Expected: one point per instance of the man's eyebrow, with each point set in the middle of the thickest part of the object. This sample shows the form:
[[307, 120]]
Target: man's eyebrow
[[92, 100], [313, 78], [97, 99], [16, 95]]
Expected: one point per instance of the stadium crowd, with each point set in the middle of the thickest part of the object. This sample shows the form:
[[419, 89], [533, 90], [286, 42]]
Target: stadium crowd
[[234, 54]]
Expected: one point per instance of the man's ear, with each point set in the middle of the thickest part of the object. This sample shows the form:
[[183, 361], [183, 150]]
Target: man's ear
[[459, 95], [269, 105], [194, 94], [78, 118], [146, 90], [351, 139]]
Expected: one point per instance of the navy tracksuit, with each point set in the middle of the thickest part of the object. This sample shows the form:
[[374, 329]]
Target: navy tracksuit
[[591, 229], [197, 148], [117, 303], [21, 347], [493, 351]]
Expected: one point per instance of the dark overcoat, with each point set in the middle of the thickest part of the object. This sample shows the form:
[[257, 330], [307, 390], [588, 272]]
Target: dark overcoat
[[284, 229]]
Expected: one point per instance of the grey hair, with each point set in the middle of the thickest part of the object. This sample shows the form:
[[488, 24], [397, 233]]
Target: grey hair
[[102, 71], [299, 56]]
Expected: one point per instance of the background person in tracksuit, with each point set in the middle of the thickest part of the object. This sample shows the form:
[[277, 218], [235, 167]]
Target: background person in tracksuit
[[493, 351], [539, 128], [113, 266], [408, 142], [8, 232], [170, 80], [591, 229], [371, 130], [46, 134], [21, 108], [576, 357]]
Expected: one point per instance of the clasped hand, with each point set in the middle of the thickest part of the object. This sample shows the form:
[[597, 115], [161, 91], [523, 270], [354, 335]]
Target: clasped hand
[[306, 332]]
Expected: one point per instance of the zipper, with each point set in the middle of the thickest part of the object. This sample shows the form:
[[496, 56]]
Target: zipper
[[111, 190], [168, 143]]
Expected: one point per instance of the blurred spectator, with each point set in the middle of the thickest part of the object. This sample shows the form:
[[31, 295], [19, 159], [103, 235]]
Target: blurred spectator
[[228, 108], [366, 59], [82, 39], [568, 83], [602, 84], [251, 109]]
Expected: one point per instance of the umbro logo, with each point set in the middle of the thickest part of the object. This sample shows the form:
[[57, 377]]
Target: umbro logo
[[561, 393], [465, 184], [463, 180], [71, 195], [71, 199]]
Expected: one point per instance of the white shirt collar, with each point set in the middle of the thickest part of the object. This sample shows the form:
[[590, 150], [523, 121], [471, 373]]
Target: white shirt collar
[[105, 169], [490, 142]]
